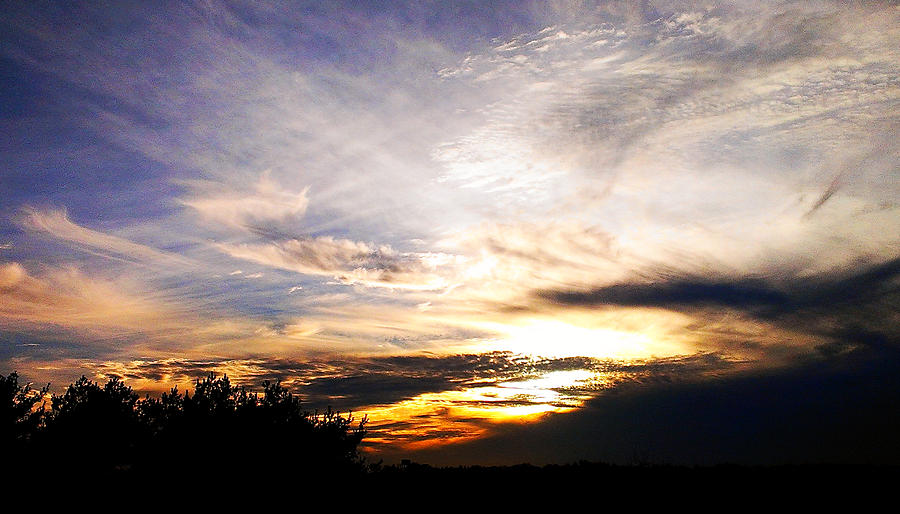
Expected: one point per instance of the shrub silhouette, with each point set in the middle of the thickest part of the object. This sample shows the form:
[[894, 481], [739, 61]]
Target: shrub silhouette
[[93, 428]]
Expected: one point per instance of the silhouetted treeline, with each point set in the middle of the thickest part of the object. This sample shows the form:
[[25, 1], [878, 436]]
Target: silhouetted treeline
[[218, 428]]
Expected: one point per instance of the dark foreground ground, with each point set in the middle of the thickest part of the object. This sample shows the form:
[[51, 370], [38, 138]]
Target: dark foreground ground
[[638, 483], [422, 488], [627, 477]]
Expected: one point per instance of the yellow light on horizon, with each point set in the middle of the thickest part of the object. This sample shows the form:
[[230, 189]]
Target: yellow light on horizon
[[465, 414], [556, 339]]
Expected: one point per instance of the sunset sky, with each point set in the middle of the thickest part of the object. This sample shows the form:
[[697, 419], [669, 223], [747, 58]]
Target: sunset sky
[[506, 231]]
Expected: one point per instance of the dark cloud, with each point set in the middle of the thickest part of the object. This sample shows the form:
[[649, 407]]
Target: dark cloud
[[372, 388], [828, 193], [840, 411], [391, 379], [678, 293], [856, 307], [354, 383]]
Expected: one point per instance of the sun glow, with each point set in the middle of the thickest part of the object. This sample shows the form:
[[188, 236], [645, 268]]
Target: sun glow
[[446, 417], [552, 338]]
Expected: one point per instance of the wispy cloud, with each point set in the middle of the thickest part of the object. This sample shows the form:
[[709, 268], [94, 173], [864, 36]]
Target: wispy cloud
[[267, 202], [56, 223], [66, 299], [348, 262], [70, 312]]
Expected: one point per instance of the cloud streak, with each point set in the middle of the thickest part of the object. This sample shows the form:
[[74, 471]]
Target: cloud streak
[[68, 299], [268, 202], [348, 262], [56, 223]]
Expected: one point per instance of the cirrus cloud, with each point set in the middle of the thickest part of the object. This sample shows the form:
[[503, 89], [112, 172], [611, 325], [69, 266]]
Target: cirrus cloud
[[267, 202]]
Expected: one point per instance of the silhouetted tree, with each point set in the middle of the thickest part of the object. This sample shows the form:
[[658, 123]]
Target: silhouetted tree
[[18, 417], [93, 427], [221, 424]]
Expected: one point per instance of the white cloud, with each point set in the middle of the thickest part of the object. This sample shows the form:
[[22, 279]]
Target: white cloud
[[266, 202], [705, 136], [349, 262]]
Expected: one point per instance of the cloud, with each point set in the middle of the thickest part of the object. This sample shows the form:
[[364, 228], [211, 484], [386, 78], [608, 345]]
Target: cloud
[[699, 143], [69, 312], [349, 262], [383, 380], [837, 312], [65, 297], [11, 274], [676, 294], [794, 293], [56, 223], [543, 251], [840, 411], [617, 122], [691, 410], [268, 202]]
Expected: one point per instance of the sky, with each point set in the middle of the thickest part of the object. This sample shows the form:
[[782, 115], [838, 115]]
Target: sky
[[504, 231]]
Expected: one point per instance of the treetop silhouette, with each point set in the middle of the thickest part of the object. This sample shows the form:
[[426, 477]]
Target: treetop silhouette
[[108, 428]]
